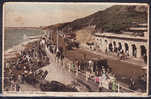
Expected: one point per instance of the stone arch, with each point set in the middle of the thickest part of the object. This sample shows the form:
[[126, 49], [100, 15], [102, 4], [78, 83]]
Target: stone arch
[[114, 46], [114, 43], [144, 53], [119, 46], [143, 50], [110, 47], [106, 44], [126, 47], [134, 50]]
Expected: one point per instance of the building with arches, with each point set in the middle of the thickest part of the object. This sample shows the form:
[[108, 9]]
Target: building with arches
[[135, 46]]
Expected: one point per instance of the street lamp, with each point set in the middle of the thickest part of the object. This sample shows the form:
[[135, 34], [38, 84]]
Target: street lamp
[[57, 41]]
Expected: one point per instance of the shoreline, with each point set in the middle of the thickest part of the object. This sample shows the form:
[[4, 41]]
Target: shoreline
[[19, 47]]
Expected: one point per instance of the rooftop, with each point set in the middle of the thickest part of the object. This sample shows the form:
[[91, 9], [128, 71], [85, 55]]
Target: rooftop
[[120, 36]]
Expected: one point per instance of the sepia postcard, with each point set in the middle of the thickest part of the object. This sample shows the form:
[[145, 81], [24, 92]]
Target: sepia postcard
[[75, 49]]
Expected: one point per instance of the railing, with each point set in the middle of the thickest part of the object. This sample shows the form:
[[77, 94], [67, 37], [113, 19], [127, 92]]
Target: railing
[[120, 88], [86, 77]]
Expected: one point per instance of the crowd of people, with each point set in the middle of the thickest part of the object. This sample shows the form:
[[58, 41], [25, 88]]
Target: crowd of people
[[99, 73], [106, 80], [34, 56], [25, 63], [105, 77], [118, 52]]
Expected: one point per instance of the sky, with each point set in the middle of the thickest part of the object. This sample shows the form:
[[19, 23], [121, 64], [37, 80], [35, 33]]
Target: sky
[[21, 14]]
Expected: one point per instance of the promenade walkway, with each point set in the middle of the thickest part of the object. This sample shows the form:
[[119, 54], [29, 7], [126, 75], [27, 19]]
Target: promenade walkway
[[60, 73], [114, 57]]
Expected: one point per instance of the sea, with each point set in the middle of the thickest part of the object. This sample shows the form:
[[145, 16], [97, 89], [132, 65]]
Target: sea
[[14, 36]]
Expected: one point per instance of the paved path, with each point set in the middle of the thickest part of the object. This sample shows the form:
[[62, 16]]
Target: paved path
[[59, 73], [113, 57], [56, 71]]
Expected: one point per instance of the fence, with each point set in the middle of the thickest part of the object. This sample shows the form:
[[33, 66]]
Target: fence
[[86, 76], [90, 77]]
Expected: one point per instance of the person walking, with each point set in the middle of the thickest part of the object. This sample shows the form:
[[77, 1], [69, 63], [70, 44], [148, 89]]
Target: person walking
[[79, 67], [57, 55], [145, 58], [73, 66], [97, 79], [132, 84], [23, 78], [62, 59], [114, 86], [87, 75], [12, 86], [17, 87], [69, 68], [100, 83]]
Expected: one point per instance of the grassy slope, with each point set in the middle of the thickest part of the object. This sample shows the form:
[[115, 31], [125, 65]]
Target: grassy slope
[[113, 19]]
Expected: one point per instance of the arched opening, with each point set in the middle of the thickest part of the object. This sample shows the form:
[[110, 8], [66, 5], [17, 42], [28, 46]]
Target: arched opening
[[119, 46], [143, 53], [106, 50], [115, 48], [134, 50], [143, 50], [110, 47], [114, 43], [126, 48]]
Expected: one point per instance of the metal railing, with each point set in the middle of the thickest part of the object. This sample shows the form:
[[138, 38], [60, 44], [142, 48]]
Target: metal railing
[[120, 88], [86, 78]]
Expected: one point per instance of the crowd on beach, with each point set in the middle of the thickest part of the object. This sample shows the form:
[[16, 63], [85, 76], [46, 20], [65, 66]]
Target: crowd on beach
[[25, 63]]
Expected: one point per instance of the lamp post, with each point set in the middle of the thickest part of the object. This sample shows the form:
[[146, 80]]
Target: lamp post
[[51, 35], [57, 40]]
